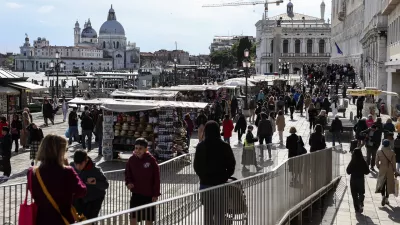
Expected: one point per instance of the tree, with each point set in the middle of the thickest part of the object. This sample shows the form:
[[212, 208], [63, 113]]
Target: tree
[[224, 58], [244, 43]]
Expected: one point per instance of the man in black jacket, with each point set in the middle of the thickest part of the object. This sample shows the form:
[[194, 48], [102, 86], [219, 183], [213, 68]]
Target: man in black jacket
[[360, 106], [73, 125], [87, 129], [373, 141], [336, 129], [214, 163], [265, 132], [96, 184], [5, 150]]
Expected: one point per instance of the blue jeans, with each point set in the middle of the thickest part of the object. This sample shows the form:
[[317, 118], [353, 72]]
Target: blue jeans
[[214, 205], [73, 132]]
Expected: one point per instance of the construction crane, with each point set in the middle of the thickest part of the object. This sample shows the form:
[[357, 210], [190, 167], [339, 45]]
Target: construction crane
[[266, 3]]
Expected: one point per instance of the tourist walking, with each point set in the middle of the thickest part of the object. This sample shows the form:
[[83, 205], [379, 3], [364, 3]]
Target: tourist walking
[[240, 126], [47, 112], [293, 143], [280, 124], [5, 147], [360, 106], [372, 143], [35, 138], [312, 115], [96, 184], [307, 103], [322, 120], [87, 129], [249, 151], [396, 149], [388, 127], [264, 133], [201, 122], [189, 128], [385, 162], [26, 121], [53, 178], [3, 123], [360, 126], [336, 130], [16, 127], [300, 104], [214, 163], [357, 169], [227, 128], [252, 107], [292, 106], [64, 108], [317, 139], [73, 126], [142, 178]]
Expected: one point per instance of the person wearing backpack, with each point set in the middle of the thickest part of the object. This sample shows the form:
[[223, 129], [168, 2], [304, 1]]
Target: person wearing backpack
[[96, 184]]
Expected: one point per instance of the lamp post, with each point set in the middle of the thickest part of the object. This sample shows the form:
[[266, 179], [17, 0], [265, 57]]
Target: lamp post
[[57, 66], [280, 68], [246, 66], [175, 71]]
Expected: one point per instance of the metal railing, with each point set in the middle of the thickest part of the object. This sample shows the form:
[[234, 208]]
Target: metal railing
[[177, 177], [261, 199]]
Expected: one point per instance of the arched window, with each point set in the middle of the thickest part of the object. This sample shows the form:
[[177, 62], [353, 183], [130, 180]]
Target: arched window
[[297, 46], [272, 46], [104, 44], [321, 46], [40, 65], [285, 46], [309, 46]]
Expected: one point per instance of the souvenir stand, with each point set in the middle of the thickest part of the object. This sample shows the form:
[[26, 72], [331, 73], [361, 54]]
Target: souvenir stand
[[145, 94], [157, 121]]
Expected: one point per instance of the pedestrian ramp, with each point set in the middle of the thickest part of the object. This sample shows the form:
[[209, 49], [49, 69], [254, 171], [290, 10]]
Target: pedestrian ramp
[[177, 177]]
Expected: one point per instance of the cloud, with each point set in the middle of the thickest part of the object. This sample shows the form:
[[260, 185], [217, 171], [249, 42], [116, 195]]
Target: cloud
[[13, 5], [45, 9]]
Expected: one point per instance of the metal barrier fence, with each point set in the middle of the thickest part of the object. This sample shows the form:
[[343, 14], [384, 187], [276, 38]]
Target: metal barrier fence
[[261, 199], [177, 178]]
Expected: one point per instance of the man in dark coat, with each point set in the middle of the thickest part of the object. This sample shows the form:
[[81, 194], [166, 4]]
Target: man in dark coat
[[373, 141], [234, 107], [240, 126], [47, 112]]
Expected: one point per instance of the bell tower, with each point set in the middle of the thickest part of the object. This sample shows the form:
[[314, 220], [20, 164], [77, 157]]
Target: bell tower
[[77, 34], [323, 10]]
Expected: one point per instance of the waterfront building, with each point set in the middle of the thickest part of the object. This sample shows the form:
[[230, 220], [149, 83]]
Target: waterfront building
[[91, 52], [292, 38], [226, 42]]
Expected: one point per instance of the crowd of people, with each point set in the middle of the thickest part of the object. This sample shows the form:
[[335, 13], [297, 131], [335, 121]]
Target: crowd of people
[[57, 185]]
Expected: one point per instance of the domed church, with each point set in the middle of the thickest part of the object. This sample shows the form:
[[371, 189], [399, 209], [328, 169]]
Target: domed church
[[111, 40]]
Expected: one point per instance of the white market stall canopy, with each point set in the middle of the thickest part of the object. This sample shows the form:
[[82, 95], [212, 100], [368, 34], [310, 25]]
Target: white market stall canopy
[[240, 82], [133, 105], [8, 91], [145, 94], [189, 88], [28, 86]]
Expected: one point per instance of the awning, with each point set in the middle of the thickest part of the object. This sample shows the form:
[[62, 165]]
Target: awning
[[145, 94], [189, 88], [8, 91], [29, 86], [133, 105]]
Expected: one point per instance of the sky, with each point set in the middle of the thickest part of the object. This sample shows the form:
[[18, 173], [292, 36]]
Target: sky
[[151, 24]]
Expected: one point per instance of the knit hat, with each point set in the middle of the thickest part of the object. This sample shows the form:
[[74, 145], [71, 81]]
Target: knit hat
[[385, 143]]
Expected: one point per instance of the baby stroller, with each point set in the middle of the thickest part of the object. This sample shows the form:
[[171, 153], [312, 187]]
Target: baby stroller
[[236, 209]]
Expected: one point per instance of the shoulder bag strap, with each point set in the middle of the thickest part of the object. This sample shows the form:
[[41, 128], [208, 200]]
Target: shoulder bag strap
[[28, 186], [51, 200], [390, 162]]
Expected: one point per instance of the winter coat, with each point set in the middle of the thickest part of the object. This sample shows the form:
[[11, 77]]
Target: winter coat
[[280, 122], [214, 161], [264, 128], [6, 145], [227, 128], [26, 121], [16, 127], [273, 124], [241, 124], [336, 125], [376, 137], [292, 145], [47, 110], [357, 168], [385, 161], [317, 142]]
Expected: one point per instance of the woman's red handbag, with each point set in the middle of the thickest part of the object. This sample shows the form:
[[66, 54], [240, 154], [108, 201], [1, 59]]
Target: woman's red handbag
[[27, 212]]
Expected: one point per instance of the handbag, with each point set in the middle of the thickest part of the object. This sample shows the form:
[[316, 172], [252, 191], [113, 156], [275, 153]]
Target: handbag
[[77, 217], [300, 147], [27, 212]]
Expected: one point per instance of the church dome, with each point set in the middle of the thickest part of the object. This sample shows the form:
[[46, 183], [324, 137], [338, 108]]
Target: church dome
[[112, 26], [89, 32]]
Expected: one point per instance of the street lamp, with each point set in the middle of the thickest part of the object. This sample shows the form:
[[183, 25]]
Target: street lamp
[[280, 67], [246, 66], [57, 66], [175, 71]]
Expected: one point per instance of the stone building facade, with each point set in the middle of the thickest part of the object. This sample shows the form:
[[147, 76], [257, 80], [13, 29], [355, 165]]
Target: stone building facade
[[302, 40]]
